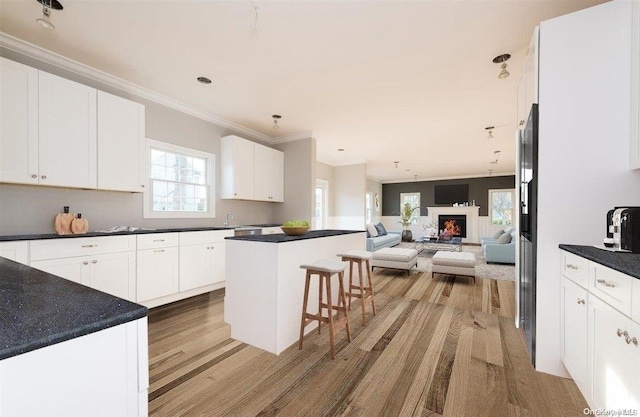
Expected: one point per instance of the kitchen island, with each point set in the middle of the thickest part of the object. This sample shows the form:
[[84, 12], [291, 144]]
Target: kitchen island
[[265, 285], [68, 350]]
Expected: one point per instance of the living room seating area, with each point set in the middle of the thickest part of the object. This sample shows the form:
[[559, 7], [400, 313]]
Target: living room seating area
[[501, 247]]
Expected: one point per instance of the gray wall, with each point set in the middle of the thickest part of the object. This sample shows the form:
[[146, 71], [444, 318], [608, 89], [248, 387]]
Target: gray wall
[[31, 209], [478, 190], [299, 181], [350, 182]]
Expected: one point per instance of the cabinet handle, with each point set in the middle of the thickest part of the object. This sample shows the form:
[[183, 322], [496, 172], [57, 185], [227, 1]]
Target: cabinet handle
[[159, 250], [521, 122], [44, 177], [619, 332], [94, 262], [607, 284], [581, 301], [34, 176], [142, 185], [159, 240], [85, 263], [571, 266], [88, 246], [634, 341]]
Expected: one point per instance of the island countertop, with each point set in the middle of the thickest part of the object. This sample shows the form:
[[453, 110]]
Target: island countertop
[[281, 237], [627, 263], [38, 309]]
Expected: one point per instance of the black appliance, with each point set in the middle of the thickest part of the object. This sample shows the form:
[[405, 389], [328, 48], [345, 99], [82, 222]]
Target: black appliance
[[452, 193], [528, 195], [623, 226]]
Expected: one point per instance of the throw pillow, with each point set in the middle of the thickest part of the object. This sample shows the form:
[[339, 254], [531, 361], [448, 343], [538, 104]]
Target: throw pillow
[[381, 230], [498, 234], [505, 238], [373, 232]]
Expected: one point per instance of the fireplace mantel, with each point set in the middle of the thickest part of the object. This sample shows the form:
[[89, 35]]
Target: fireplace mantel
[[472, 213]]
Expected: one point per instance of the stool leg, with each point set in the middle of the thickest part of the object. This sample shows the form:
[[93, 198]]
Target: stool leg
[[373, 301], [330, 309], [350, 280], [319, 300], [362, 293], [344, 304], [304, 308]]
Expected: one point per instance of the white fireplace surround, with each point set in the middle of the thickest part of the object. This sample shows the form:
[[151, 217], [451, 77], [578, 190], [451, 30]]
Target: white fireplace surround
[[472, 213]]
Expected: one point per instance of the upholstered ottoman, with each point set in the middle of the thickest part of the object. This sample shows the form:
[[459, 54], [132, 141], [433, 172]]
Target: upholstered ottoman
[[396, 258], [454, 263]]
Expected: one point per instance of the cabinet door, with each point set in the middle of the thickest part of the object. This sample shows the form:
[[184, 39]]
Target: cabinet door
[[237, 157], [16, 251], [18, 123], [114, 273], [615, 361], [157, 273], [196, 263], [574, 331], [67, 146], [269, 174], [74, 269], [120, 143]]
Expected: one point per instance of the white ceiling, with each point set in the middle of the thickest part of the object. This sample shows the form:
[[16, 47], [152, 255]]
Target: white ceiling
[[387, 81]]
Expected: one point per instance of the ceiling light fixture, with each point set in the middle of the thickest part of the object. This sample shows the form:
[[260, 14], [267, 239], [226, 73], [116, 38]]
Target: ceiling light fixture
[[340, 149], [204, 80], [396, 162], [503, 68], [490, 129], [256, 20], [275, 118], [490, 171], [47, 6]]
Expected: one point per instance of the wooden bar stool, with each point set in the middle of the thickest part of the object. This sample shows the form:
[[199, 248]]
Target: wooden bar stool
[[325, 269], [365, 293]]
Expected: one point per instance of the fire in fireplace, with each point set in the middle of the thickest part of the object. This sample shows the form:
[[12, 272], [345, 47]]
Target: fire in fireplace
[[455, 224]]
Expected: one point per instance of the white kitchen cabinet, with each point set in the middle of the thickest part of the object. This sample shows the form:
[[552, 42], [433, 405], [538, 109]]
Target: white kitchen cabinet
[[121, 133], [251, 171], [574, 330], [615, 358], [202, 258], [635, 86], [67, 133], [269, 174], [16, 251], [157, 266], [18, 123], [237, 160], [74, 269]]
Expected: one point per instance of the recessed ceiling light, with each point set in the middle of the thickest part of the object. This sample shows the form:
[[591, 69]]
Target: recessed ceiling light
[[340, 149], [407, 170], [496, 152], [396, 163], [47, 6], [204, 80]]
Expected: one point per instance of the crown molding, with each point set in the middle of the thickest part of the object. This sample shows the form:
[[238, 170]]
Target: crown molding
[[294, 136], [33, 51], [460, 177]]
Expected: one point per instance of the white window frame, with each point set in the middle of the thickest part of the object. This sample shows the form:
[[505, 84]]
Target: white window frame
[[513, 203], [148, 212], [402, 196], [324, 184], [368, 211]]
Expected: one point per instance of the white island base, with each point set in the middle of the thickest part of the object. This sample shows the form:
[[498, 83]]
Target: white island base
[[265, 286]]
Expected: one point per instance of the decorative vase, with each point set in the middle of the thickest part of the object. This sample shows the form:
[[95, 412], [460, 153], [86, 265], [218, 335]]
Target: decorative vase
[[406, 235]]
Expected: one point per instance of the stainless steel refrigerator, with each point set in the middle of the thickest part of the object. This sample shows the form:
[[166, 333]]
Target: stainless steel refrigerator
[[528, 192]]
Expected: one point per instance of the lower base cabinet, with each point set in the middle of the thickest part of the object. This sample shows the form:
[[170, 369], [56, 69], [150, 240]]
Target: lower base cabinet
[[574, 330], [157, 273], [615, 358], [16, 251]]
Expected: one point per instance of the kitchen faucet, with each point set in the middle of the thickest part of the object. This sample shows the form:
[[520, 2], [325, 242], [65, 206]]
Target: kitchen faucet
[[226, 223]]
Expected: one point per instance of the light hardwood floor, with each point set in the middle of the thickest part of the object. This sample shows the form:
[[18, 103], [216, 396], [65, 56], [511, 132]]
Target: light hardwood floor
[[440, 346]]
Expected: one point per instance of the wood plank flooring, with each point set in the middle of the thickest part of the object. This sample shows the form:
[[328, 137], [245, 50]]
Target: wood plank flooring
[[438, 346]]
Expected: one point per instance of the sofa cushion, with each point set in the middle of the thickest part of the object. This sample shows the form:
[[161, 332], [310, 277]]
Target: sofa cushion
[[504, 239], [371, 229], [498, 234], [381, 230]]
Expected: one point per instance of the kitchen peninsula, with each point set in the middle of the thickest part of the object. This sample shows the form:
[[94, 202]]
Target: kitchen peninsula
[[265, 285]]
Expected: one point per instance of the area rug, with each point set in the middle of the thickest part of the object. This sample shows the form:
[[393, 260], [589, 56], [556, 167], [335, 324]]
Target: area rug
[[483, 269]]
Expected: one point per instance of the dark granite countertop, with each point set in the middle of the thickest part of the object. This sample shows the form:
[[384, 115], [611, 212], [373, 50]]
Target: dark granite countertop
[[38, 309], [627, 263], [281, 237]]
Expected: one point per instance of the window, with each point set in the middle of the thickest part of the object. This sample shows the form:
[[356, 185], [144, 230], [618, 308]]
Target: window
[[322, 201], [501, 207], [411, 198], [180, 182], [368, 207]]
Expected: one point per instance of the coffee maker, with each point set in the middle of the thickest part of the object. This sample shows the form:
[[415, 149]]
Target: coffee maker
[[623, 226]]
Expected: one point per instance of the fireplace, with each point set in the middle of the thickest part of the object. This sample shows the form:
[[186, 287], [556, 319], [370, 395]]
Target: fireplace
[[456, 224]]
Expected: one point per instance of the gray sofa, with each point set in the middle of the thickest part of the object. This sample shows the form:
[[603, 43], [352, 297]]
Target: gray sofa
[[386, 241], [495, 252]]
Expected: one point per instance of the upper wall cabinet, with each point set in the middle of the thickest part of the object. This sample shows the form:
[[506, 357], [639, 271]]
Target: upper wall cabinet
[[528, 85], [67, 133], [251, 171], [635, 87], [18, 123], [121, 134]]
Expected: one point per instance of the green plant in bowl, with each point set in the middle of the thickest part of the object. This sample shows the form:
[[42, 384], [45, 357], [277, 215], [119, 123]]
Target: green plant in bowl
[[295, 227]]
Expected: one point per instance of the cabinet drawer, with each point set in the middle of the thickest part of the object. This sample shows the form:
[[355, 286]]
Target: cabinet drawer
[[206, 236], [69, 247], [158, 240], [635, 299], [271, 230], [575, 268], [611, 286]]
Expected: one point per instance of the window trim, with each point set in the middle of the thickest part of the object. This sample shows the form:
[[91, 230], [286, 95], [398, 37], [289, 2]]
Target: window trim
[[413, 193], [147, 197], [513, 204]]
